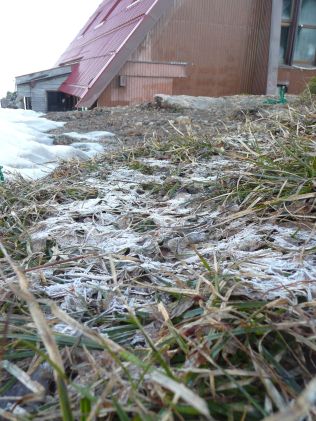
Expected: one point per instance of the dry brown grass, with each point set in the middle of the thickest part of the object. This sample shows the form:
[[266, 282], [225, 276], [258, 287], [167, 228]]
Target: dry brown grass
[[194, 342]]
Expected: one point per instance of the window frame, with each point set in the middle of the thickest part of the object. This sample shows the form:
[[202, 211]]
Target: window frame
[[293, 25]]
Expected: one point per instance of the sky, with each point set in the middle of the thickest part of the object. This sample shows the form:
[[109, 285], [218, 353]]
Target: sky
[[34, 34]]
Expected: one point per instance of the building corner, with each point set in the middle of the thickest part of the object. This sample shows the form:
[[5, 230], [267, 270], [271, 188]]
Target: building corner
[[274, 48]]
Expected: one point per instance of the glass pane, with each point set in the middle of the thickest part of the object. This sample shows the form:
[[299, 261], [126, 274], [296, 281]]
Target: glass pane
[[305, 49], [283, 44], [308, 12], [287, 9]]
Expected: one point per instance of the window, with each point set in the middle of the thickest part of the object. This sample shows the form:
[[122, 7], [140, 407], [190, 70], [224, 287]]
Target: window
[[298, 33]]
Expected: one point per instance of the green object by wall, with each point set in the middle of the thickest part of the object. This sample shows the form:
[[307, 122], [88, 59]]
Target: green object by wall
[[281, 99], [1, 175]]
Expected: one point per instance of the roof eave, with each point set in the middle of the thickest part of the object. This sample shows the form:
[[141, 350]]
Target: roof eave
[[43, 74], [104, 78]]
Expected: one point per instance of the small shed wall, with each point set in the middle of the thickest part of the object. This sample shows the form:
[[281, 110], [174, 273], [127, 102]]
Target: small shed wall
[[224, 43], [39, 89], [24, 90]]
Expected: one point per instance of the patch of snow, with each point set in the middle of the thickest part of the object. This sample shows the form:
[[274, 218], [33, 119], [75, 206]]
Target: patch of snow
[[90, 149], [29, 122], [156, 162], [125, 176], [25, 146], [92, 136], [204, 179]]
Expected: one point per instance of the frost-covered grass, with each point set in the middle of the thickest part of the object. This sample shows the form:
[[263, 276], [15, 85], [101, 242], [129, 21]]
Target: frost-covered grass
[[174, 280]]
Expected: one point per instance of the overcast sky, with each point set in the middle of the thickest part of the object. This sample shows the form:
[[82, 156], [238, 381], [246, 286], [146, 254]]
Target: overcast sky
[[34, 33]]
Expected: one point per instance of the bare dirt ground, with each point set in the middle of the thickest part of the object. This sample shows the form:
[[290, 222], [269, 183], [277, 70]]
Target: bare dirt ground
[[141, 122]]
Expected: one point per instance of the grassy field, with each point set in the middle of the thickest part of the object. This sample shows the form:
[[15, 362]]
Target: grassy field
[[150, 342]]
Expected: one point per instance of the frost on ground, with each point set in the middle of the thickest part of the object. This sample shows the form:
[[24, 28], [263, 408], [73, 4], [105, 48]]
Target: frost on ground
[[162, 237], [168, 208], [201, 224], [27, 149]]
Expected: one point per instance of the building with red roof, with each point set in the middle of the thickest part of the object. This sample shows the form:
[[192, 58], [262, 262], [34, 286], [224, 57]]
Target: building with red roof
[[130, 50]]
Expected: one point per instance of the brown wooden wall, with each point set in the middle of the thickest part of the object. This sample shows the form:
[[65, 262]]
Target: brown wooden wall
[[224, 43], [297, 79]]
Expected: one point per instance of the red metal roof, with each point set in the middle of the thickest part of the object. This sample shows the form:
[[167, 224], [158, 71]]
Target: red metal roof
[[105, 43]]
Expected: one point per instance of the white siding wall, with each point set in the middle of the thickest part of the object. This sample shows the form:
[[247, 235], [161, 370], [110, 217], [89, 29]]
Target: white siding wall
[[24, 90], [38, 91], [39, 96]]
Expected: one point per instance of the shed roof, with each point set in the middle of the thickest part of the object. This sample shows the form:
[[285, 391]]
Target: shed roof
[[105, 43], [43, 74]]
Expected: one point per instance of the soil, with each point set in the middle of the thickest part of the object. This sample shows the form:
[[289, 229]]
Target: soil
[[136, 123]]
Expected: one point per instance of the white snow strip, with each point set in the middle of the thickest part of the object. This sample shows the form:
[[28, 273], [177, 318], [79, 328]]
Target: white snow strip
[[27, 149], [156, 162], [92, 136], [90, 149]]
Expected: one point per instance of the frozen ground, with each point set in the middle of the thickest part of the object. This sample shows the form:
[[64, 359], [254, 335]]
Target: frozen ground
[[200, 223], [27, 149], [161, 237], [128, 214]]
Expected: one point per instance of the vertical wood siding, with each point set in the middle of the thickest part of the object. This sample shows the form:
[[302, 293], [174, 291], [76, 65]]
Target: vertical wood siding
[[297, 79], [225, 44], [137, 90], [24, 90]]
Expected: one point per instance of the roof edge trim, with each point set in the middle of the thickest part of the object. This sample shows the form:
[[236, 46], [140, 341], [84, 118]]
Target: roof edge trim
[[132, 42]]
